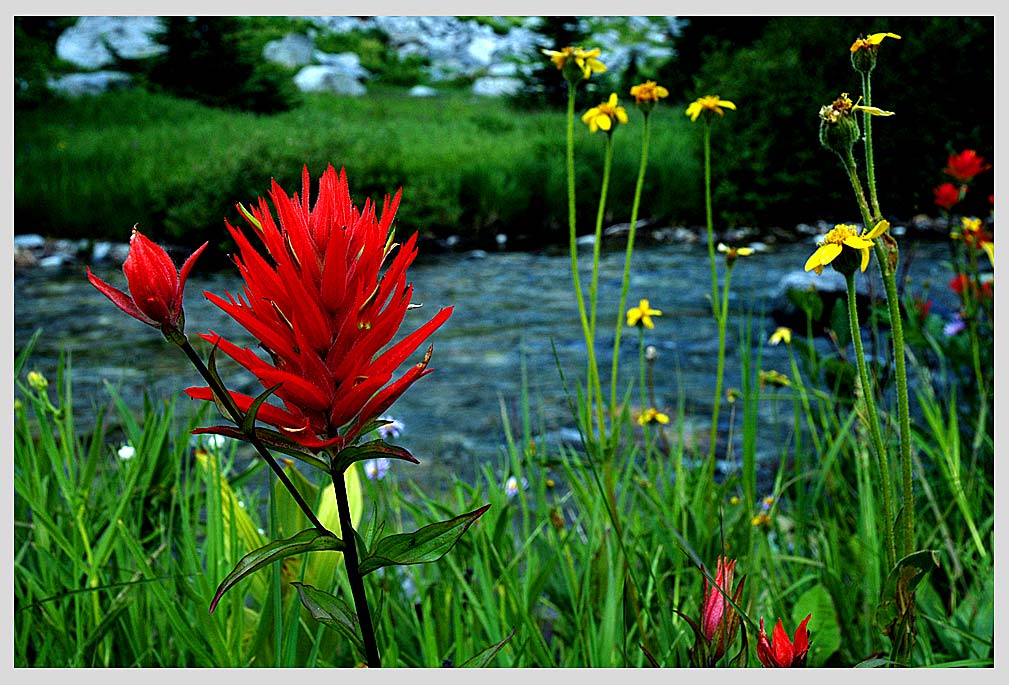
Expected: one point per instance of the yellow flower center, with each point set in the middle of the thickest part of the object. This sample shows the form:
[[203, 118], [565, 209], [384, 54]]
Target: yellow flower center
[[840, 233]]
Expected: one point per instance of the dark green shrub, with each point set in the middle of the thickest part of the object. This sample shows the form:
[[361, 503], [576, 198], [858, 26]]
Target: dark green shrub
[[214, 60], [772, 169]]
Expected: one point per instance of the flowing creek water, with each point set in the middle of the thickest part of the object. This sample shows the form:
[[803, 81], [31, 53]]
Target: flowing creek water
[[513, 311]]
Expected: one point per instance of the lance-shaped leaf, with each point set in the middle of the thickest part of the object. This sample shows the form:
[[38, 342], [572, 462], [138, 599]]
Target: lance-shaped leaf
[[249, 422], [483, 657], [430, 543], [370, 450], [270, 438], [311, 540], [331, 611], [212, 369]]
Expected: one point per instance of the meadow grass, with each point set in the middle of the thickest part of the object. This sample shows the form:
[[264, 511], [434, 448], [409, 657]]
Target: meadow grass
[[474, 166], [115, 561]]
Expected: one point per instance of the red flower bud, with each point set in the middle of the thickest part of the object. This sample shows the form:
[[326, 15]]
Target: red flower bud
[[719, 620], [780, 652], [154, 283]]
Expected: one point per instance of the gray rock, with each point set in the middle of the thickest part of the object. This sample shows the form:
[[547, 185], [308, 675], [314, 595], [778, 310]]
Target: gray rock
[[496, 86], [323, 78], [423, 92], [86, 44], [348, 62], [56, 260], [293, 50], [90, 83], [29, 241]]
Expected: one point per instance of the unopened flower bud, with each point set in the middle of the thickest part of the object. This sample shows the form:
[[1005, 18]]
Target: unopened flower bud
[[838, 126], [37, 381]]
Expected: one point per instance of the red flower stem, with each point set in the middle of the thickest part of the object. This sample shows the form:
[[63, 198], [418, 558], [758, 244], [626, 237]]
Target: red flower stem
[[236, 415], [353, 571]]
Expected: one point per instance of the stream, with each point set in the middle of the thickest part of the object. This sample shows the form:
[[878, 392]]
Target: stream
[[515, 318]]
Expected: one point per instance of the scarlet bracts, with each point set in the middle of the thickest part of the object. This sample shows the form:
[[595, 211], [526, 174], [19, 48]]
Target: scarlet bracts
[[780, 652], [965, 165], [320, 305], [154, 283]]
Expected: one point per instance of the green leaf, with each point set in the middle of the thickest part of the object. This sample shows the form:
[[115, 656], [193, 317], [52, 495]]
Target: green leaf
[[273, 440], [430, 543], [482, 658], [825, 632], [331, 611], [212, 369], [249, 422], [311, 540], [370, 450]]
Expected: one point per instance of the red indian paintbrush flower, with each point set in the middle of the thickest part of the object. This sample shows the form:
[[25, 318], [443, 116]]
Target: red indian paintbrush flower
[[324, 311], [965, 165], [719, 620], [780, 652], [154, 283], [946, 195]]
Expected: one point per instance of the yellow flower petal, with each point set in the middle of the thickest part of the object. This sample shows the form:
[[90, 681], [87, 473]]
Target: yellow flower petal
[[865, 258], [744, 251], [829, 253], [878, 230]]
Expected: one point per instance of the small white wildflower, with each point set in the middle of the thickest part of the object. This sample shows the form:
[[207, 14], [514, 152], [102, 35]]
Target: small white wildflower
[[391, 430], [512, 486], [126, 452], [376, 469]]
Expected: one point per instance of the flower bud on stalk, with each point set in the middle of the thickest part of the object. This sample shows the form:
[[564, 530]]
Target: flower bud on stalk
[[155, 286]]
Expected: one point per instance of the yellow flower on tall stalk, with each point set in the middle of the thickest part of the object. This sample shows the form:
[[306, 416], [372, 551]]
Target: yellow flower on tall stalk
[[873, 40], [605, 115], [708, 104], [586, 62], [782, 334], [841, 236], [647, 94], [733, 253], [642, 315], [652, 415]]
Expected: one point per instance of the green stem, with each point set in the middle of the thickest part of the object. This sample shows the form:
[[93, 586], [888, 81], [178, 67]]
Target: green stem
[[888, 274], [603, 191], [593, 369], [848, 161], [222, 394], [873, 420], [722, 317], [353, 571], [625, 282], [710, 217], [903, 411], [870, 173]]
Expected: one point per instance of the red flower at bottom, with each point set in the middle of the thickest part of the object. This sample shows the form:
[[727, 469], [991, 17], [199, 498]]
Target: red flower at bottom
[[321, 306], [780, 652]]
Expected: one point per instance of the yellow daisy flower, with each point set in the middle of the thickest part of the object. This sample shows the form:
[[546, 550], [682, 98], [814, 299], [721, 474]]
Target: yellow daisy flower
[[708, 103], [652, 415], [649, 91], [874, 39], [642, 315], [605, 115], [733, 253], [585, 60], [781, 335], [841, 236]]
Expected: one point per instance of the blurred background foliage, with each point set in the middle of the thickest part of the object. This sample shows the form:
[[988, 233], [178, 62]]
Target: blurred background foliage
[[212, 123]]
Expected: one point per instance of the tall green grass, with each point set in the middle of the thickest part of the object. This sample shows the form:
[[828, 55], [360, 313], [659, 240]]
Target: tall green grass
[[115, 561], [93, 167]]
